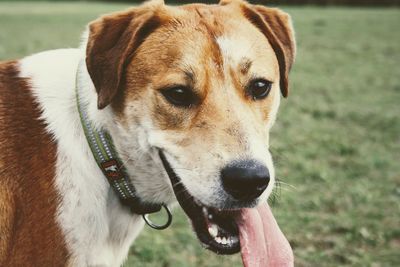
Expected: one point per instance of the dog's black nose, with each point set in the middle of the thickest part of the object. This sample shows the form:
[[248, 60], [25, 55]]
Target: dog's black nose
[[245, 180]]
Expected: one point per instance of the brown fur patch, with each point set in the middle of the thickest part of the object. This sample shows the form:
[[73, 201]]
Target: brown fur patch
[[29, 234], [213, 30], [112, 41], [7, 218]]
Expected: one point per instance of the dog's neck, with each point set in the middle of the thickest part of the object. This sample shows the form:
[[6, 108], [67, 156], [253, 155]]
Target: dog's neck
[[141, 161], [107, 158], [97, 229], [136, 154]]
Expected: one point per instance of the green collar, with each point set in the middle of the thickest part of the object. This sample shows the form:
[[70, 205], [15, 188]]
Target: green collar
[[107, 159]]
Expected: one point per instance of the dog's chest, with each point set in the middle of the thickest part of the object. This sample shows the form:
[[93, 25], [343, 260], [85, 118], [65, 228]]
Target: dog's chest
[[98, 229]]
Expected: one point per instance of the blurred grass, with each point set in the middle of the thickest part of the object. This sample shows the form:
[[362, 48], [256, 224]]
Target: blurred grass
[[336, 142]]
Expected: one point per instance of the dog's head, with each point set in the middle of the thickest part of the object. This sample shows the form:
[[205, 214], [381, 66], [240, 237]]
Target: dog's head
[[199, 84]]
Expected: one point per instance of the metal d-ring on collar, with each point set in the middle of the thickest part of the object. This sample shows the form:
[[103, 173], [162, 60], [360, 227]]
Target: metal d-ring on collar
[[157, 226], [108, 160]]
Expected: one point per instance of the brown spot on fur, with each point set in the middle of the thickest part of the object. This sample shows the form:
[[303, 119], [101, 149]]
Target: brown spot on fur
[[244, 66], [29, 234]]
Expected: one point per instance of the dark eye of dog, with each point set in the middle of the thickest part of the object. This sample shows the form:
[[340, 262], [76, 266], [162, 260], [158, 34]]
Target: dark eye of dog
[[259, 89], [180, 96]]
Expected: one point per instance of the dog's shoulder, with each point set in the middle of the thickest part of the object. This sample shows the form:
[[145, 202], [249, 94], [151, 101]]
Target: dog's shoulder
[[8, 80], [8, 182], [12, 112], [28, 196]]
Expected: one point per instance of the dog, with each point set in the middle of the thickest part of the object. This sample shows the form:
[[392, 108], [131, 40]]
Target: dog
[[179, 100]]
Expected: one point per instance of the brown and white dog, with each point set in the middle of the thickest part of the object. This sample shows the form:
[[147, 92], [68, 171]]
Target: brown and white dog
[[200, 82]]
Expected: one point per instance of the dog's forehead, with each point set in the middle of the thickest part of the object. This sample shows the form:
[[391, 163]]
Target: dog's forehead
[[214, 35], [204, 46]]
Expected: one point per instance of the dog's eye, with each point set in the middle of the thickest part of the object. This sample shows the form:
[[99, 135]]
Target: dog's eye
[[259, 89], [180, 96]]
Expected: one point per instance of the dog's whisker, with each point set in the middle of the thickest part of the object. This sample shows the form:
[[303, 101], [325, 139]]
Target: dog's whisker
[[276, 192], [285, 185]]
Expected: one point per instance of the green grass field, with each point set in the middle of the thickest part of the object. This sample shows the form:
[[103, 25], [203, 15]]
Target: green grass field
[[336, 142]]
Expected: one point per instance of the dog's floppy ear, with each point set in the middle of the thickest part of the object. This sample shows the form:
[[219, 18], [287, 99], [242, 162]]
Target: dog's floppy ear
[[112, 41], [277, 27]]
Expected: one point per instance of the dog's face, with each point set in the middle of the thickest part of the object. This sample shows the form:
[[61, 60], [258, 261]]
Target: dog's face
[[200, 85], [208, 102]]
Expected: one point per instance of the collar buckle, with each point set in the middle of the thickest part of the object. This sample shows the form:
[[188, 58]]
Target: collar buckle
[[157, 226]]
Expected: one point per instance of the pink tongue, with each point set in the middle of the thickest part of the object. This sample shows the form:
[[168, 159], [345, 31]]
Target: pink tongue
[[262, 242]]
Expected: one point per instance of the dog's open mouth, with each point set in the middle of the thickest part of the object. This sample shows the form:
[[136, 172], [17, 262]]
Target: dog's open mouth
[[216, 229], [252, 231]]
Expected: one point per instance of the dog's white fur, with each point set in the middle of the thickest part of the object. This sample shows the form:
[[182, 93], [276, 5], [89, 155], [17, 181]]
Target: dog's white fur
[[97, 228]]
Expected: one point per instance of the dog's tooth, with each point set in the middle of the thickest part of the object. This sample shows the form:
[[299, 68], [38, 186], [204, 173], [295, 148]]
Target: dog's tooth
[[213, 230], [234, 239], [218, 239], [210, 217], [224, 241]]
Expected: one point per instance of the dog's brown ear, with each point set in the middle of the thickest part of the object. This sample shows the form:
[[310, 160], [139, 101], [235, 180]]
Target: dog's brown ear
[[277, 27], [112, 41]]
